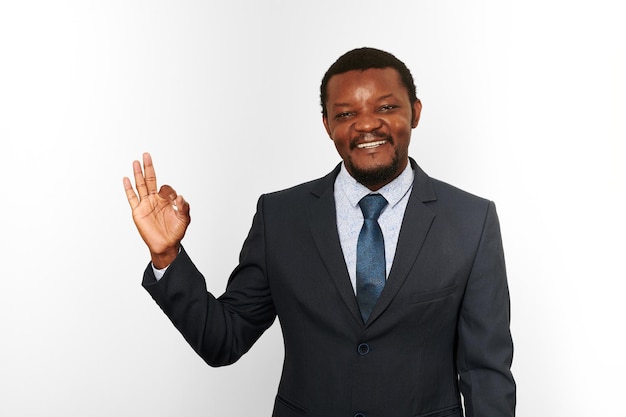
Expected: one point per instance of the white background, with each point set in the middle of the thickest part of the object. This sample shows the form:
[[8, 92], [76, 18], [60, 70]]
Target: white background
[[524, 104]]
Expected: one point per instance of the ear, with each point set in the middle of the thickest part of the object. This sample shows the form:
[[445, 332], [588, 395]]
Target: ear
[[326, 126], [417, 110]]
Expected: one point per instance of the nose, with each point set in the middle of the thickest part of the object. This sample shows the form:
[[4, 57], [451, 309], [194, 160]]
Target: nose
[[367, 123]]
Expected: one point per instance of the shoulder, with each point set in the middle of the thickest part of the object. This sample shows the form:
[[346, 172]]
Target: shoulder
[[309, 190], [449, 203], [288, 208], [451, 194], [439, 193]]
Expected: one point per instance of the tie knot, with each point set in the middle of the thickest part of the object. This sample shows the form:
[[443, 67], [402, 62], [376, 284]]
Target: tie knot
[[372, 205]]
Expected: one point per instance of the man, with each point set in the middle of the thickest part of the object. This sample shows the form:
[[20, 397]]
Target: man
[[389, 313]]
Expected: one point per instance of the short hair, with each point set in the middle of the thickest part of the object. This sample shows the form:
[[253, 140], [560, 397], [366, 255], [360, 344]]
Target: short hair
[[361, 59]]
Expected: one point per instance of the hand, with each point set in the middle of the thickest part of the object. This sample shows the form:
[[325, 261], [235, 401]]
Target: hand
[[161, 218]]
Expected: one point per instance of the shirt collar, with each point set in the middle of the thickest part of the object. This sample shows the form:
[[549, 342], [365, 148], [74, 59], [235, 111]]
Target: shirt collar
[[393, 192]]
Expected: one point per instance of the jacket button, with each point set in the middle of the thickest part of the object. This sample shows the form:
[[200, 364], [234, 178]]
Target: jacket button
[[363, 350], [359, 415]]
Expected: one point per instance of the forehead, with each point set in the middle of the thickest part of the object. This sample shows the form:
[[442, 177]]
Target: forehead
[[364, 84]]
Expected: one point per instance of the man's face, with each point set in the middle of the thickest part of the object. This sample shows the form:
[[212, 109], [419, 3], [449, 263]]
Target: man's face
[[370, 118]]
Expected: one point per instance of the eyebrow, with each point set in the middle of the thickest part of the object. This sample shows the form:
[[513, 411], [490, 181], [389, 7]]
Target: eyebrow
[[384, 97]]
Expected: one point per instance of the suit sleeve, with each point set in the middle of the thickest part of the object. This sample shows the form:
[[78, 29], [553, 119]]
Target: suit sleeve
[[220, 329], [485, 347]]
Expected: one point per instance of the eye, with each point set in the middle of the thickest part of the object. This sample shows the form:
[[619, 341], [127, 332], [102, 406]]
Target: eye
[[344, 115], [387, 107]]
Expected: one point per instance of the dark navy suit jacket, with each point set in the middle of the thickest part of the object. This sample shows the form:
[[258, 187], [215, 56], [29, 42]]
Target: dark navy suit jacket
[[440, 327]]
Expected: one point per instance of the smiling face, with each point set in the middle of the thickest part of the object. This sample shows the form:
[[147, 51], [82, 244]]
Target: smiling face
[[370, 118]]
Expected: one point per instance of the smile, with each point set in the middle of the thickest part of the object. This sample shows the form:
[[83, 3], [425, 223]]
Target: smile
[[370, 145]]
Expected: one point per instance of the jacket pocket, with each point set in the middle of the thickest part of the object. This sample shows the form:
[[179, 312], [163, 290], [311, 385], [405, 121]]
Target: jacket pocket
[[433, 295], [445, 412], [283, 403]]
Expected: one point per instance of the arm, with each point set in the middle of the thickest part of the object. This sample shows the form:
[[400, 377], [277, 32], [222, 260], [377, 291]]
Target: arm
[[485, 348], [220, 330]]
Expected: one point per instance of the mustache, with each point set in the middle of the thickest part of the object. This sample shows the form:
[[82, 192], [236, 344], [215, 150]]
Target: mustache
[[370, 137]]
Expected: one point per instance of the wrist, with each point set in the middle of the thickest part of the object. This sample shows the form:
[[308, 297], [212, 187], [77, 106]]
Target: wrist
[[164, 259]]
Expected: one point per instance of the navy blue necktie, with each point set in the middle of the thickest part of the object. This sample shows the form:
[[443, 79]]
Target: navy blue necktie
[[370, 255]]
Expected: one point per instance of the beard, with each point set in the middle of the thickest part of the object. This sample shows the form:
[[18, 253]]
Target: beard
[[376, 176]]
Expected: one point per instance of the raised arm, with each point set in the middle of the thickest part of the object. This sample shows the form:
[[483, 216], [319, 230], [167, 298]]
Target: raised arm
[[161, 217]]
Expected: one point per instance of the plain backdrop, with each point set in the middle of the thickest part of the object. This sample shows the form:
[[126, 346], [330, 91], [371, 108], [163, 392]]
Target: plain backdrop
[[524, 104]]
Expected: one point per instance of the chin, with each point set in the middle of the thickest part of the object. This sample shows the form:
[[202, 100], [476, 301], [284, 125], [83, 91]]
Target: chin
[[377, 175]]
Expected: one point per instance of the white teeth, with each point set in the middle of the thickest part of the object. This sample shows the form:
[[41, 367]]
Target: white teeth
[[369, 145]]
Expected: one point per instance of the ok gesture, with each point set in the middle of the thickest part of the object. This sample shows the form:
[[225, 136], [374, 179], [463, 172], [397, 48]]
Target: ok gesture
[[161, 217]]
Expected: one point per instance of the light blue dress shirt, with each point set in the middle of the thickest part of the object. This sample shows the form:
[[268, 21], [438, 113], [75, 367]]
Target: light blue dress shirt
[[348, 193]]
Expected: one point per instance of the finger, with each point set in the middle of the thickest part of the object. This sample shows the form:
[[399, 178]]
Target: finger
[[130, 194], [140, 182], [182, 207], [150, 175]]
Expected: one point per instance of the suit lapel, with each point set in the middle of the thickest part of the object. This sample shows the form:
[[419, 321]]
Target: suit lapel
[[415, 226], [323, 224]]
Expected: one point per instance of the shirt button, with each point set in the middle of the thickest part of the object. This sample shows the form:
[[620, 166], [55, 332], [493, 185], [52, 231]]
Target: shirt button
[[363, 350]]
